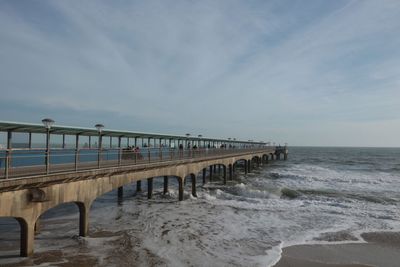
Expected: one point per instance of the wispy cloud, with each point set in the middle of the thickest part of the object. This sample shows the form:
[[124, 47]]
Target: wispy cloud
[[265, 69]]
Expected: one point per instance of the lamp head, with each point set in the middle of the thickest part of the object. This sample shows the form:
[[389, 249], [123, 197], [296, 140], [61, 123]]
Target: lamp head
[[47, 122], [99, 127]]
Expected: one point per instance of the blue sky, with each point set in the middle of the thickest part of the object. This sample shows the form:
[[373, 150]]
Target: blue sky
[[302, 72]]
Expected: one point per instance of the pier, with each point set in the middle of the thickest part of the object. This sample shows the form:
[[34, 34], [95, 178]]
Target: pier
[[77, 165]]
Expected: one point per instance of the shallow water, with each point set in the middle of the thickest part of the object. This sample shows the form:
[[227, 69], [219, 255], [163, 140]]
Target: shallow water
[[318, 195]]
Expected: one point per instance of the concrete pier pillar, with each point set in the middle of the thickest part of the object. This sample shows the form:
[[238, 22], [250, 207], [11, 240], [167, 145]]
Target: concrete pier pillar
[[249, 166], [219, 168], [230, 172], [139, 186], [27, 238], [224, 173], [266, 159], [149, 188], [180, 182], [204, 175], [193, 178], [245, 167], [83, 219], [285, 156], [165, 184], [120, 192], [278, 156], [211, 173], [215, 168]]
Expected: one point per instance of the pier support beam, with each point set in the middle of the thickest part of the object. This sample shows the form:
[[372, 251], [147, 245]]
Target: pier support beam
[[180, 184], [193, 178], [245, 167], [149, 188], [165, 185], [285, 156], [204, 175], [120, 192], [83, 219], [230, 172], [211, 173], [249, 166], [139, 186], [224, 173], [27, 238]]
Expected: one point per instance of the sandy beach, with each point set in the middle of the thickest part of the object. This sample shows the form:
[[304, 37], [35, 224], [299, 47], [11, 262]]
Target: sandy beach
[[381, 250]]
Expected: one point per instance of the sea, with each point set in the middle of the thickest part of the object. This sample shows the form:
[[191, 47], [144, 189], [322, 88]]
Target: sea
[[319, 195]]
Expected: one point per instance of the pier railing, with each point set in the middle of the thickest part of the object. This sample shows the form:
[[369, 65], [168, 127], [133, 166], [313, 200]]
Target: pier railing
[[16, 163]]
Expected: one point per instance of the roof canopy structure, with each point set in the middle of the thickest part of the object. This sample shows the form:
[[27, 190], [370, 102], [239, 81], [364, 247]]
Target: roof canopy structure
[[68, 130]]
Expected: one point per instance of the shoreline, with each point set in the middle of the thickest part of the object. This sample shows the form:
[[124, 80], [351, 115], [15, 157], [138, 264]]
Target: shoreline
[[379, 248]]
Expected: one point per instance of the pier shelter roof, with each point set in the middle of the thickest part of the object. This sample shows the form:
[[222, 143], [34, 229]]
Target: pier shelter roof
[[6, 126]]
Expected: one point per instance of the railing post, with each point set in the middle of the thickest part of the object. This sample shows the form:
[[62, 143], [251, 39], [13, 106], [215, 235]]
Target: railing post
[[119, 151], [76, 151], [135, 152], [8, 155], [99, 151], [48, 151]]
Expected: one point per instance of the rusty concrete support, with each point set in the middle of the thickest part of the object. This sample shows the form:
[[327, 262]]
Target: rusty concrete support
[[230, 172], [139, 186], [180, 184], [165, 185], [204, 175], [193, 178], [149, 188]]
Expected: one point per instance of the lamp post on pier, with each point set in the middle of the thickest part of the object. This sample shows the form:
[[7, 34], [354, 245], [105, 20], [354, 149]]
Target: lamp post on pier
[[47, 122], [199, 141], [99, 128]]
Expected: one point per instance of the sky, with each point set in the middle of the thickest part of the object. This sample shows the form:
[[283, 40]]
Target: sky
[[316, 72]]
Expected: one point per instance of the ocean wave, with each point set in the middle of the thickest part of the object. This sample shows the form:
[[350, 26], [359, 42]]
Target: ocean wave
[[296, 193]]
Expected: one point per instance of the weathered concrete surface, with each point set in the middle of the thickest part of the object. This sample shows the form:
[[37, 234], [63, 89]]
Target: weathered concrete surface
[[20, 199]]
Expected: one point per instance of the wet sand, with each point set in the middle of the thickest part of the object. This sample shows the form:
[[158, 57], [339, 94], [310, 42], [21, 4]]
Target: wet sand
[[381, 250]]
